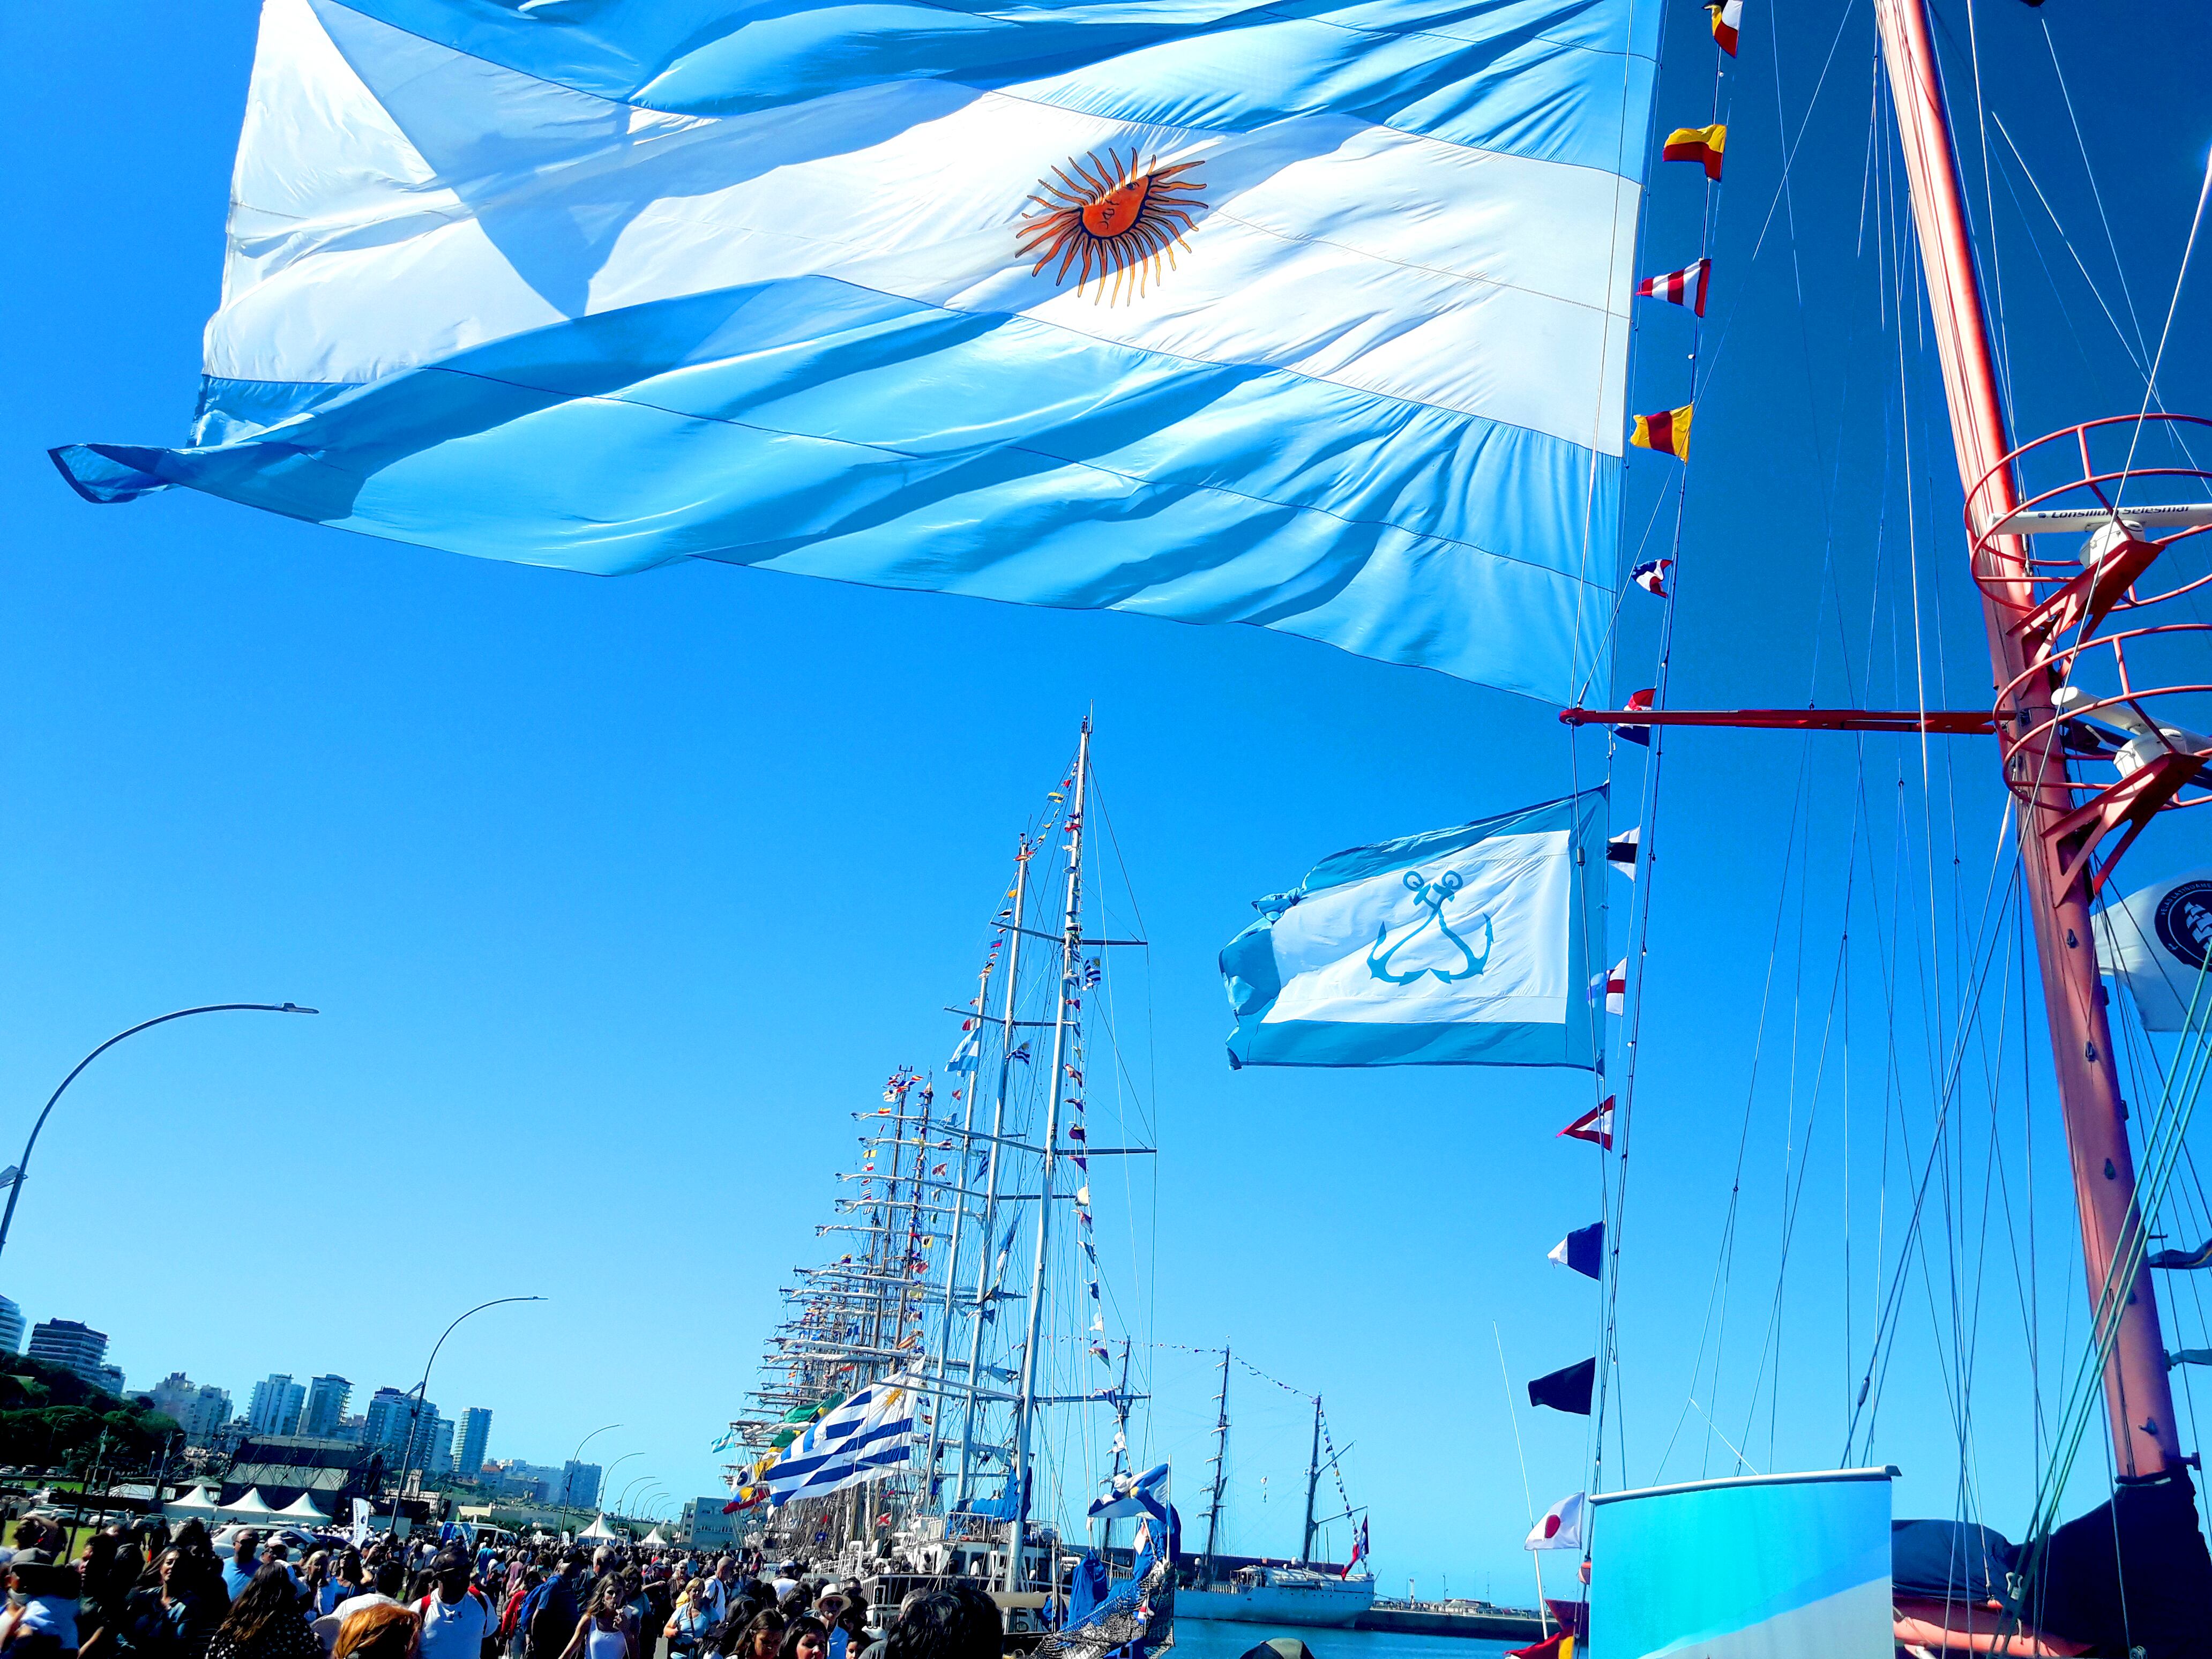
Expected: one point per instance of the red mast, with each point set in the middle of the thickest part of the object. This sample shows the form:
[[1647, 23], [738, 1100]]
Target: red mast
[[2051, 833]]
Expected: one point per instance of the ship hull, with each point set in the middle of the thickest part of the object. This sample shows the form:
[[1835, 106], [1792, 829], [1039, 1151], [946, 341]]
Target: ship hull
[[1323, 1605]]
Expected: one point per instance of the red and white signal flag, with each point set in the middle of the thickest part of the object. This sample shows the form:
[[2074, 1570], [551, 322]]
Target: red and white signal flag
[[1686, 287]]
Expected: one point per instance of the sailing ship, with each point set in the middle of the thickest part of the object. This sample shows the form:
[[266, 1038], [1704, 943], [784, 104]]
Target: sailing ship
[[1315, 318], [1258, 1593], [974, 1278]]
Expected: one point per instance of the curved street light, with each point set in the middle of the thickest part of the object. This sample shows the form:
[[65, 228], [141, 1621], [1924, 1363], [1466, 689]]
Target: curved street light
[[15, 1177], [622, 1503], [423, 1388], [607, 1474], [567, 1475]]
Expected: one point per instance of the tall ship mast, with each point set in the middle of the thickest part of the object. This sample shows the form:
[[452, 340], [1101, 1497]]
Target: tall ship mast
[[970, 1273]]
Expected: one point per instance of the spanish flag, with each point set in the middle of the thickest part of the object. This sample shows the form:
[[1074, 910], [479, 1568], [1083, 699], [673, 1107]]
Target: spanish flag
[[1697, 144], [1667, 432], [1728, 18]]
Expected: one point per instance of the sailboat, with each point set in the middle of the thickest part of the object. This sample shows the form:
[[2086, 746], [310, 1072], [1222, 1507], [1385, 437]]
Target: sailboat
[[1312, 318], [974, 1282], [1294, 1593]]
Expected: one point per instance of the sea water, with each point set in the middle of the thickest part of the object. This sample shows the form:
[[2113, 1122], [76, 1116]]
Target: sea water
[[1221, 1638]]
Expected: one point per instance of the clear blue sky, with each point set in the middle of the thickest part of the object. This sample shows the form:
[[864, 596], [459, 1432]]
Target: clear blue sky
[[618, 895]]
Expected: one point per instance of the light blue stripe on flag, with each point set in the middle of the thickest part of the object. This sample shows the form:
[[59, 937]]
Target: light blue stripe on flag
[[1466, 946], [760, 285]]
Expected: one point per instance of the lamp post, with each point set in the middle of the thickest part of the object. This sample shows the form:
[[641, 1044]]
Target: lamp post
[[14, 1176], [607, 1474], [567, 1475], [622, 1503], [423, 1388]]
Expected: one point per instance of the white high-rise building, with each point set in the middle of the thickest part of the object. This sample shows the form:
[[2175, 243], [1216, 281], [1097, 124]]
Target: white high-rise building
[[275, 1407], [200, 1409], [476, 1429], [11, 1326], [326, 1407]]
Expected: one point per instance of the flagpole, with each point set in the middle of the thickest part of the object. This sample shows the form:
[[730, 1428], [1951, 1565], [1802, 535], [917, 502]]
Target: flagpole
[[952, 1246], [1014, 936], [1070, 951]]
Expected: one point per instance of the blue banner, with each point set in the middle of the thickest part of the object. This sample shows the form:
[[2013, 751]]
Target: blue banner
[[1782, 1565]]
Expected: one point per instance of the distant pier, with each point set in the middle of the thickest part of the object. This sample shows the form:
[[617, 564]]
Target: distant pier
[[1451, 1619]]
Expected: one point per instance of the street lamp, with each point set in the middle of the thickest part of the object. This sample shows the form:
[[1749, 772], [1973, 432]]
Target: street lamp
[[14, 1178], [423, 1388], [622, 1503], [607, 1474], [567, 1475]]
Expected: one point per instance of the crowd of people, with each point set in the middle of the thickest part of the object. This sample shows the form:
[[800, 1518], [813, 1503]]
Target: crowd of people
[[145, 1593]]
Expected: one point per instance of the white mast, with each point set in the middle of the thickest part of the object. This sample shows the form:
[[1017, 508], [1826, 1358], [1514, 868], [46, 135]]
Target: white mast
[[989, 1218], [1071, 950]]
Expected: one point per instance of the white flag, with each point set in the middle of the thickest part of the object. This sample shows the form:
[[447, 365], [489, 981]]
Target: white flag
[[2154, 942], [1561, 1528]]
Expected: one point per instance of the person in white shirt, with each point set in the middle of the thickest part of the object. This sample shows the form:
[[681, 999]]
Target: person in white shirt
[[455, 1616], [390, 1577]]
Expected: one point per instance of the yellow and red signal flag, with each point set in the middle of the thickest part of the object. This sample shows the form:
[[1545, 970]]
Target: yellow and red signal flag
[[1686, 287], [1697, 144], [1728, 18], [1667, 431]]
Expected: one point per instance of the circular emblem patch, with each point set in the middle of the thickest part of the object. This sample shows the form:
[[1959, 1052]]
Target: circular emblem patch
[[2184, 922]]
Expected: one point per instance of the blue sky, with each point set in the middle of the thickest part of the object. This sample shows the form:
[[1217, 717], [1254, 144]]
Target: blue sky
[[619, 895]]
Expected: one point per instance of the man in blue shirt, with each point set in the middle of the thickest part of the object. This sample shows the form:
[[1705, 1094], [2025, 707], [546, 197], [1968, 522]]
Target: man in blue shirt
[[245, 1561]]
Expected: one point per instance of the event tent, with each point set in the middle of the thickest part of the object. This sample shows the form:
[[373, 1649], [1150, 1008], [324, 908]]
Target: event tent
[[198, 1502], [654, 1539], [250, 1507], [303, 1509], [600, 1533]]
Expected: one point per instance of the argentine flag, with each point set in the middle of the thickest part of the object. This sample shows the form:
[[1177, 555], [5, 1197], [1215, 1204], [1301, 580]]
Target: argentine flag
[[1312, 316], [1459, 947]]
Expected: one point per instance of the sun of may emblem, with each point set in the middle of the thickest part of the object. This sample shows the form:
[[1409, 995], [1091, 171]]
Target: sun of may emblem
[[1115, 218]]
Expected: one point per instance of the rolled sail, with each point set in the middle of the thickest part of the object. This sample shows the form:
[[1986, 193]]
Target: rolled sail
[[1310, 316]]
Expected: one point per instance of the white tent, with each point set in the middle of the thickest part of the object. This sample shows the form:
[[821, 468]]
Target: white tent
[[654, 1539], [302, 1509], [600, 1533], [199, 1502], [252, 1507]]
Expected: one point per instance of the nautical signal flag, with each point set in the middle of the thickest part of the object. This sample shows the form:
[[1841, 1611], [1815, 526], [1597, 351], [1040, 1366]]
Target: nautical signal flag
[[1359, 1549], [1702, 144], [1667, 432], [1686, 287], [1561, 1527], [1620, 851], [1639, 702], [1595, 1126], [1651, 577], [1728, 19], [1567, 1390], [1614, 986], [1582, 1249], [1561, 1646]]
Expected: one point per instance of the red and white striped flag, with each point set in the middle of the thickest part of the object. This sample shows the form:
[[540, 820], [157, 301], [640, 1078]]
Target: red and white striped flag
[[1595, 1126], [1686, 287], [1613, 987]]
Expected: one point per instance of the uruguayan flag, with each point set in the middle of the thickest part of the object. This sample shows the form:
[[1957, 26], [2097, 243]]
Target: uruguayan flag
[[1463, 946], [865, 1436], [1309, 316]]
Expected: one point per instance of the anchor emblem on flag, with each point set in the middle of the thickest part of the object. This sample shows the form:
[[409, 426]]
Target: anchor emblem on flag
[[1462, 963]]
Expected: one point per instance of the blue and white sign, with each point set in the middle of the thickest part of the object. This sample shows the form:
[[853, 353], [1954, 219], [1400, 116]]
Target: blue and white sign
[[1466, 946], [1777, 1566]]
